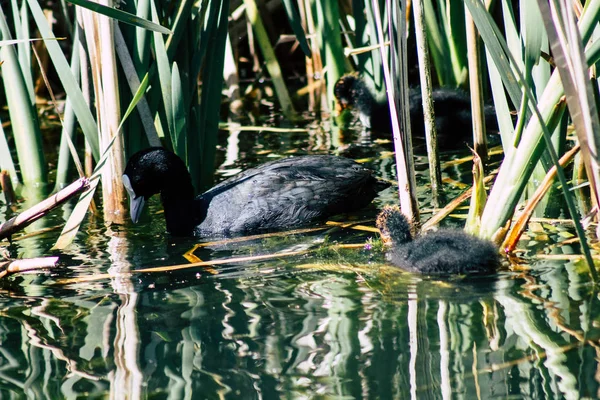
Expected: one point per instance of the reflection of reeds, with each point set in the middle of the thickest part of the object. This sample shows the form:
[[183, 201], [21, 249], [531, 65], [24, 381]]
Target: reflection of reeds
[[346, 329]]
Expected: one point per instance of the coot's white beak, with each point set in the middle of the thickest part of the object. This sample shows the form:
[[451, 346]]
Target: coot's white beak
[[136, 203]]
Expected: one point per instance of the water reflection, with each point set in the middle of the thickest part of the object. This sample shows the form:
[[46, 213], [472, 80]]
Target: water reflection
[[336, 323], [382, 334]]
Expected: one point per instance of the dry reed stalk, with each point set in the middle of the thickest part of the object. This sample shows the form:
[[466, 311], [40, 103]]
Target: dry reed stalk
[[7, 188], [41, 209], [187, 266], [520, 225], [30, 264], [476, 87]]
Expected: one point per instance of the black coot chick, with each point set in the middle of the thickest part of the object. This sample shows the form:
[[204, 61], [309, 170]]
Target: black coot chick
[[445, 252], [452, 111], [277, 195]]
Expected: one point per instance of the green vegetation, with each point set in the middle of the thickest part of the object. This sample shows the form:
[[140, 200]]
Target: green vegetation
[[315, 310]]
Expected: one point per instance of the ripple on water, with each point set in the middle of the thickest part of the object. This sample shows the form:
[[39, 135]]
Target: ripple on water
[[327, 322]]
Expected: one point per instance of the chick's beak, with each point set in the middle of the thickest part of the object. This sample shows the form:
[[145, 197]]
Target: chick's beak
[[136, 203]]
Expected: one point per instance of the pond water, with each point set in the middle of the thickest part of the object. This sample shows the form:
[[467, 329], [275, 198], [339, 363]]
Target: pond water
[[311, 319]]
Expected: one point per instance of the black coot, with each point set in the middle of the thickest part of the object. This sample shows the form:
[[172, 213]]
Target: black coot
[[445, 252], [452, 111], [277, 195]]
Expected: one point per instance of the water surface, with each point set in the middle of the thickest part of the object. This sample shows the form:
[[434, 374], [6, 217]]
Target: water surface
[[327, 322]]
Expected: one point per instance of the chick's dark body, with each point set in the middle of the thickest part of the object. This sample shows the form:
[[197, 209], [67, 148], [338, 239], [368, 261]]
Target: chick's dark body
[[452, 108], [445, 252]]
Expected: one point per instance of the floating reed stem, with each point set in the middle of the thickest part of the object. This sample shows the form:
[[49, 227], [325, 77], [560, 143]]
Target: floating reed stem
[[29, 264], [169, 268], [41, 209]]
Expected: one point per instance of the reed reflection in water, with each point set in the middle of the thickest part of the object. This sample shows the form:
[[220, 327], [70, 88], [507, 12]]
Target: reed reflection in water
[[270, 331]]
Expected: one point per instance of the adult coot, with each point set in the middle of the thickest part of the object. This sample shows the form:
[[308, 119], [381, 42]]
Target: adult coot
[[452, 109], [277, 195], [445, 252]]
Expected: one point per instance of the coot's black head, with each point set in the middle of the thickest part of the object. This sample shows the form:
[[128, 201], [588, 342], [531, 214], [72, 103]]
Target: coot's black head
[[393, 226], [151, 171], [345, 90]]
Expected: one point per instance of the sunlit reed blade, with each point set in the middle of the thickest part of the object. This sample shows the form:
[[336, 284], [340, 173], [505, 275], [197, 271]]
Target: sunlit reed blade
[[478, 197], [17, 41], [361, 50]]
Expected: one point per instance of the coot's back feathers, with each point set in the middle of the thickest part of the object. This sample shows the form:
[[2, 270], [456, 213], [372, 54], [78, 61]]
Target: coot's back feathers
[[445, 252], [277, 195], [287, 193]]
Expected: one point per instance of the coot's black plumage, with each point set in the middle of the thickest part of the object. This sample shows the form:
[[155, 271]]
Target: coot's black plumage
[[445, 252], [452, 109], [277, 195]]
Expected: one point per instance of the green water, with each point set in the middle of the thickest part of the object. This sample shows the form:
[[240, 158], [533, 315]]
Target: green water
[[327, 323]]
